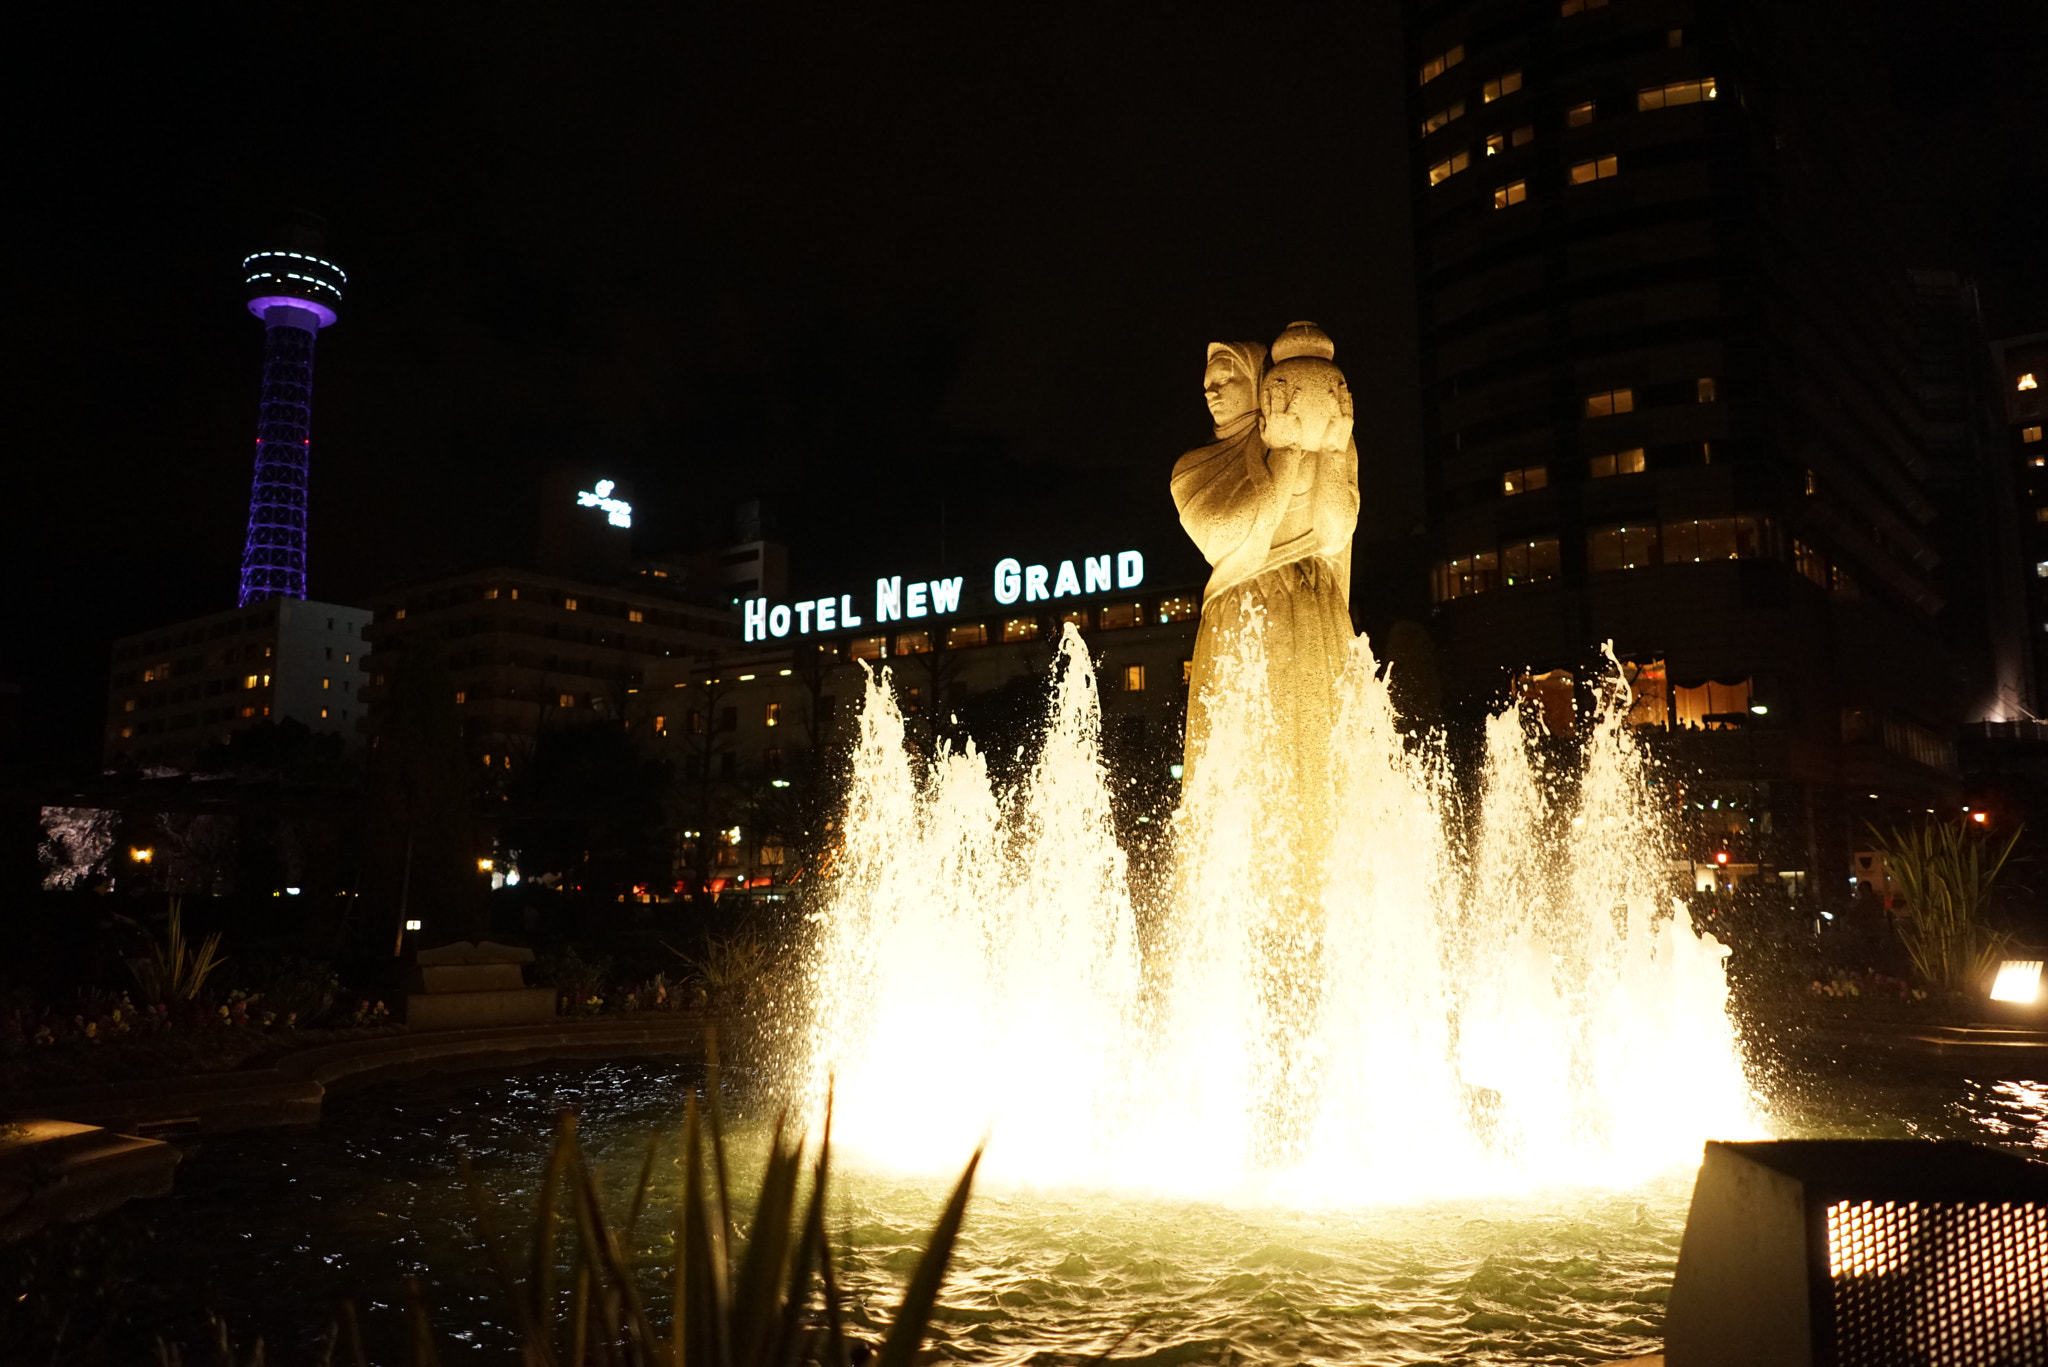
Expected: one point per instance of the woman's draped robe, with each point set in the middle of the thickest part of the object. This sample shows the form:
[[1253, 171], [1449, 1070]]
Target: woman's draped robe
[[1284, 555]]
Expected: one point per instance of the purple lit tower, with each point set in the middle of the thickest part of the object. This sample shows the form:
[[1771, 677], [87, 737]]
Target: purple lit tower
[[295, 293]]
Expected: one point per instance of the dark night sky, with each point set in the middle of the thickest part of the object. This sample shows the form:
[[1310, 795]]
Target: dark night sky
[[860, 261]]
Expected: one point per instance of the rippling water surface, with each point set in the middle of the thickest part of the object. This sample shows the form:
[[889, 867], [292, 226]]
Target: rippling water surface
[[274, 1229]]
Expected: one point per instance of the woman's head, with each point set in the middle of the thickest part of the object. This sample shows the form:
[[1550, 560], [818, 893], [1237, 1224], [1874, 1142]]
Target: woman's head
[[1230, 381]]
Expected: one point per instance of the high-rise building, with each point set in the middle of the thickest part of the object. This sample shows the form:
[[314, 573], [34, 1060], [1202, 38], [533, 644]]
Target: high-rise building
[[1672, 358], [175, 690], [2020, 370], [295, 291]]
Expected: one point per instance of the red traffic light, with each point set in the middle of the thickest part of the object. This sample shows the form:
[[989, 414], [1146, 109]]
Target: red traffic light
[[1721, 857]]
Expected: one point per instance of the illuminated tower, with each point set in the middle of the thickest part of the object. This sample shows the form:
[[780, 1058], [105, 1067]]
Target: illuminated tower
[[295, 292]]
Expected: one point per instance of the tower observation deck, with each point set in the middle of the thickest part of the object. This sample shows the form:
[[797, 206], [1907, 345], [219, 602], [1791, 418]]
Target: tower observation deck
[[295, 291]]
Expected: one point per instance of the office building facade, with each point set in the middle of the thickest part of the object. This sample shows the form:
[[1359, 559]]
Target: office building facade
[[174, 691], [1673, 361]]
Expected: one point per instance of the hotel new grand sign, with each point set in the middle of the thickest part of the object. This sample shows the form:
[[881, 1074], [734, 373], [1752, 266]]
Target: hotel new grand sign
[[896, 600]]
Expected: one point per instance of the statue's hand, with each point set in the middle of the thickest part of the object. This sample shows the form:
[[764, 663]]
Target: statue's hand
[[1338, 435], [1278, 428]]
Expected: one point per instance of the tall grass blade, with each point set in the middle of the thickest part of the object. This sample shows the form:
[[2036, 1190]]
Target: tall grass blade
[[537, 1347], [913, 1318], [352, 1334], [755, 1311], [423, 1354], [714, 1098], [546, 1236], [640, 1188], [625, 1311]]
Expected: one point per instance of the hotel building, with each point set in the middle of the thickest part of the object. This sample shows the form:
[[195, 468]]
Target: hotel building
[[1677, 387]]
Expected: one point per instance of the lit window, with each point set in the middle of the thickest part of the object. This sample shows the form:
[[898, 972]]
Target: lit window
[[1649, 693], [866, 647], [2030, 434], [1600, 168], [2041, 514], [635, 615], [2027, 381], [1522, 481], [127, 732], [771, 715], [1712, 538], [1442, 62], [398, 616], [253, 681], [490, 593], [1629, 462], [1810, 563], [1178, 609], [1674, 37], [1810, 486], [1455, 110], [515, 598], [565, 700], [323, 714], [1579, 115], [1449, 167], [1514, 192], [326, 683], [1187, 672], [487, 761], [1629, 547], [461, 697], [248, 711], [1496, 144], [1572, 7], [1706, 390], [1610, 401], [974, 634], [2038, 461], [347, 657], [1118, 615], [1712, 705], [1021, 629], [914, 643], [1678, 92], [1465, 575], [1134, 678], [1507, 84], [1525, 134], [1529, 562], [569, 603], [1077, 618]]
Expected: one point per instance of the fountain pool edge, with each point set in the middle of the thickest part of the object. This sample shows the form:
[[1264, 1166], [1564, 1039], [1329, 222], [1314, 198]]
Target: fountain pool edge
[[290, 1091]]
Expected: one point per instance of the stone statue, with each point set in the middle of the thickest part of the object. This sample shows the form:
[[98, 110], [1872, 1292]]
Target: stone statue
[[1272, 504]]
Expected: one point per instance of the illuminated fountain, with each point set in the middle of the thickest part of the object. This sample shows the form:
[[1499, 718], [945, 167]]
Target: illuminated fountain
[[1353, 991]]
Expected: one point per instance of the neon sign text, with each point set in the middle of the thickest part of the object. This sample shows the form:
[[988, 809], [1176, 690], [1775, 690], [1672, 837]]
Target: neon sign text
[[617, 511], [898, 600]]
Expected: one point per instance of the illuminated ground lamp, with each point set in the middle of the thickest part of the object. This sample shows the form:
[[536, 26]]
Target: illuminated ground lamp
[[1854, 1252], [2016, 993]]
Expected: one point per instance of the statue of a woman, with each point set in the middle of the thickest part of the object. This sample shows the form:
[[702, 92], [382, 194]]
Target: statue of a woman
[[1272, 504]]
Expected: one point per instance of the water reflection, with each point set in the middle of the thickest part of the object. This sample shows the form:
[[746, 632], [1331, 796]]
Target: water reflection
[[274, 1229]]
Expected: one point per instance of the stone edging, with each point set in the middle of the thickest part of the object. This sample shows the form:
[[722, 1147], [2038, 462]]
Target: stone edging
[[291, 1090]]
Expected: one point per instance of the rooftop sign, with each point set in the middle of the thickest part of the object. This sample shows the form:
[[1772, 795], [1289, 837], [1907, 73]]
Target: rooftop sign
[[897, 601], [617, 511]]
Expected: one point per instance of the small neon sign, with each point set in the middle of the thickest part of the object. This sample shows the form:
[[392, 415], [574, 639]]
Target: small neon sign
[[616, 510]]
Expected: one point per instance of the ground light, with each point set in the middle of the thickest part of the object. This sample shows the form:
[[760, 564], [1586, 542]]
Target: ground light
[[2018, 980]]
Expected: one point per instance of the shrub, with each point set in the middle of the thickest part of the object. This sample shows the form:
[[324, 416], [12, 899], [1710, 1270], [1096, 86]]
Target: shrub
[[1945, 873]]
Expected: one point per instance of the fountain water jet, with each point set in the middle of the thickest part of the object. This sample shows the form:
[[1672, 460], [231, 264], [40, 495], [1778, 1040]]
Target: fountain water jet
[[1444, 1015]]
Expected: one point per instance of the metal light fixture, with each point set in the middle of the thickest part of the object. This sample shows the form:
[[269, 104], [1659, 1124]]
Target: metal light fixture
[[2018, 980]]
